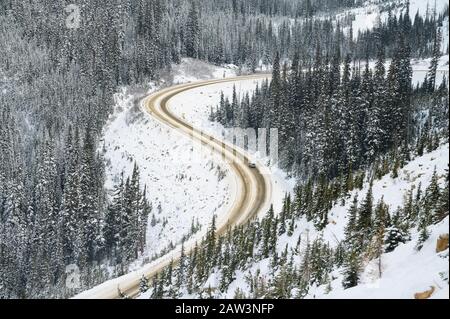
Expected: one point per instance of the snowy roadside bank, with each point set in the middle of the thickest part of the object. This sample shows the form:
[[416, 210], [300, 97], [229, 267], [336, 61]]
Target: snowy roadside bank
[[185, 195]]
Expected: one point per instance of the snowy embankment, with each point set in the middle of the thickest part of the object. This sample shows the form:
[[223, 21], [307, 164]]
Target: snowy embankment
[[191, 70], [134, 136], [183, 193], [195, 106], [405, 271], [366, 17]]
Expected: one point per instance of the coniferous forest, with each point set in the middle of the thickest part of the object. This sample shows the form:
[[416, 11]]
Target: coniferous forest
[[340, 122], [370, 232]]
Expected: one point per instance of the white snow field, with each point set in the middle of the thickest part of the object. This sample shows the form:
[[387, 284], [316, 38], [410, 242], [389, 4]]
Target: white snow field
[[366, 17], [423, 267], [405, 271], [182, 191], [195, 106], [188, 191]]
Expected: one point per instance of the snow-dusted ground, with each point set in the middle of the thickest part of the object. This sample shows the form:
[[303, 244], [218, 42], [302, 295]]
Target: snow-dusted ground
[[366, 17], [420, 70], [195, 107], [188, 191], [182, 191], [392, 191], [191, 70], [405, 271]]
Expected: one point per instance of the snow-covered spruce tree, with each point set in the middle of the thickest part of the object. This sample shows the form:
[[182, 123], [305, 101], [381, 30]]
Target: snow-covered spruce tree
[[365, 218], [180, 275], [350, 228], [394, 237], [193, 31], [131, 42], [352, 269], [424, 234], [113, 221], [143, 285], [442, 210], [431, 76]]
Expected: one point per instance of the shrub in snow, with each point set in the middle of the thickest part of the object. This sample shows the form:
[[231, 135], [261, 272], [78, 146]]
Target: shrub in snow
[[394, 237]]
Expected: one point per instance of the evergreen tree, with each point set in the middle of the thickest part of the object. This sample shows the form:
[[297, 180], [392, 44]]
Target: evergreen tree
[[352, 269], [143, 285], [431, 76], [394, 237], [423, 234], [433, 195], [350, 229], [193, 31], [443, 205], [365, 221]]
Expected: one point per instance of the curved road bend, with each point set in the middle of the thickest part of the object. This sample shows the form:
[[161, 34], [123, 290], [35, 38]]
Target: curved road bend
[[253, 189]]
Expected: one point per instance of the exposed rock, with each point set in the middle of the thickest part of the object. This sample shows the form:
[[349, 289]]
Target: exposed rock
[[442, 243], [426, 294]]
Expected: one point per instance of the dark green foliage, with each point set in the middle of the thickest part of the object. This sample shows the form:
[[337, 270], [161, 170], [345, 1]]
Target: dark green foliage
[[334, 129], [371, 231], [143, 285], [365, 215], [331, 126], [394, 237], [351, 272], [351, 229]]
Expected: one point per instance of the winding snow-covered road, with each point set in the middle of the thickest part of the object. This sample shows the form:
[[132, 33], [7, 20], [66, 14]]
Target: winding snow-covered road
[[254, 187]]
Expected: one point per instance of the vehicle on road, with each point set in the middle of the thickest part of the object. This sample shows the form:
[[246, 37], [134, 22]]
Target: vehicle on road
[[252, 165]]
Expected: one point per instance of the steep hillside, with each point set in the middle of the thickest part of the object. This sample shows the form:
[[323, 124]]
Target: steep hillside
[[396, 274]]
